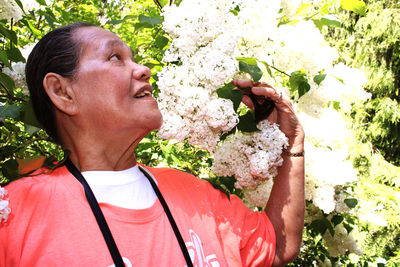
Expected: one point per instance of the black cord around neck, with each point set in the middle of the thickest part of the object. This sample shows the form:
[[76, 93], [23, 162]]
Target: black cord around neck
[[105, 230]]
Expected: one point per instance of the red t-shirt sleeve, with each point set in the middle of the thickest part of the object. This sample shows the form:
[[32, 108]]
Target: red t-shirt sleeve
[[256, 232]]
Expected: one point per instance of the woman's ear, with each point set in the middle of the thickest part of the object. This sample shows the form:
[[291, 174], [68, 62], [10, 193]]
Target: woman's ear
[[59, 91]]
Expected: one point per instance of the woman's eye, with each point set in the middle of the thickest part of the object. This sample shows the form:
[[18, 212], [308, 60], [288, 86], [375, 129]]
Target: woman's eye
[[115, 57]]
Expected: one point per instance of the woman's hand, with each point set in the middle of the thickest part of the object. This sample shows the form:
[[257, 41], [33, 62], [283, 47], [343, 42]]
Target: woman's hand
[[283, 113]]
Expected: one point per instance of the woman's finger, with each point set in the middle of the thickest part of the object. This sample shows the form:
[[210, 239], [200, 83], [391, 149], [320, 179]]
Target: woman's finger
[[248, 102], [243, 83], [268, 92]]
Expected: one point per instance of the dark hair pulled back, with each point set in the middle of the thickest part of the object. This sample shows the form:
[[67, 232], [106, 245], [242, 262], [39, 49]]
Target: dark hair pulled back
[[56, 52]]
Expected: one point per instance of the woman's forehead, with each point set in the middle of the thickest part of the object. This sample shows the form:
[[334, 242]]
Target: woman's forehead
[[95, 38]]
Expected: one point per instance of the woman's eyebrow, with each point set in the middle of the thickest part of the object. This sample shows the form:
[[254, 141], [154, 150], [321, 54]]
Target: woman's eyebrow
[[110, 44], [113, 43]]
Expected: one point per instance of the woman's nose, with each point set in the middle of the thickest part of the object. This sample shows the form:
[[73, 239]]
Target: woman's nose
[[141, 72]]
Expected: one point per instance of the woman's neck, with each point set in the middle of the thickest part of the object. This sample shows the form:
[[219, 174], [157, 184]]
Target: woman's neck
[[100, 150]]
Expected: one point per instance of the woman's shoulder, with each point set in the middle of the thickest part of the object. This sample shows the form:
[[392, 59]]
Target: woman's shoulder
[[38, 182]]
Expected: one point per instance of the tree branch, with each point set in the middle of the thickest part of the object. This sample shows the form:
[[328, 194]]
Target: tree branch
[[14, 98], [158, 4], [275, 68]]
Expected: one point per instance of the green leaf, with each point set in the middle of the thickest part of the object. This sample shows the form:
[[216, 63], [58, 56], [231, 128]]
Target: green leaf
[[142, 25], [150, 64], [304, 9], [319, 78], [6, 151], [247, 122], [12, 127], [225, 135], [10, 35], [320, 226], [146, 145], [326, 22], [115, 21], [267, 67], [12, 111], [10, 169], [348, 227], [161, 41], [330, 22], [15, 55], [351, 202], [28, 115], [118, 21], [31, 27], [20, 5], [337, 219], [298, 82], [357, 6], [151, 20], [217, 185], [7, 83], [31, 129], [324, 9], [229, 182], [42, 2], [228, 91], [235, 11], [50, 21], [163, 2], [248, 60], [335, 105], [251, 69], [304, 87], [4, 59]]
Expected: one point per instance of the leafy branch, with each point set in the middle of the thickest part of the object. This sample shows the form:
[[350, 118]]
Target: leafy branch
[[14, 98]]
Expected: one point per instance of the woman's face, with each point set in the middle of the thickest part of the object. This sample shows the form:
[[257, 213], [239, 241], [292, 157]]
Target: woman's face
[[113, 93]]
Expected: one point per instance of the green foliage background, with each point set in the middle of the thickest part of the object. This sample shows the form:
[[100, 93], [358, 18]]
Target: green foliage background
[[372, 43], [367, 36]]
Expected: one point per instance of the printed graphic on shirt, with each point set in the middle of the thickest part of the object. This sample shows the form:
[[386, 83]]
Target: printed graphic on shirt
[[196, 252]]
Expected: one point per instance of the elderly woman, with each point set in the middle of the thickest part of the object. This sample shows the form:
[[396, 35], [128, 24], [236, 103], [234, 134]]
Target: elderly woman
[[103, 208]]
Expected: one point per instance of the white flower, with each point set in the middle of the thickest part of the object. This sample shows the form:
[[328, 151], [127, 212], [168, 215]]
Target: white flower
[[258, 196], [341, 242], [294, 52], [9, 8], [18, 75], [326, 170], [4, 209], [328, 129], [204, 44], [251, 157], [368, 213]]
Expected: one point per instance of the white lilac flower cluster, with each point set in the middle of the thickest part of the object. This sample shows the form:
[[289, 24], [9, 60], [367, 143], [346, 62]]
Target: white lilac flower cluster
[[251, 157], [341, 242], [257, 196], [18, 75], [293, 51], [9, 8], [342, 84], [206, 39], [4, 209], [203, 41]]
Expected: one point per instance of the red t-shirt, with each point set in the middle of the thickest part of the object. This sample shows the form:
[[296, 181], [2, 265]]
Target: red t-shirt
[[51, 224]]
